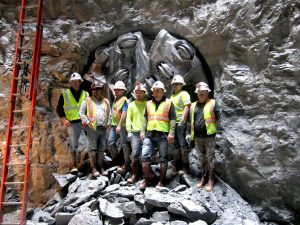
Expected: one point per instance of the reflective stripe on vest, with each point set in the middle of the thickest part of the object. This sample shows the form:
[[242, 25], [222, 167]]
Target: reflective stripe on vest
[[158, 119], [71, 106], [91, 110], [209, 117], [116, 111]]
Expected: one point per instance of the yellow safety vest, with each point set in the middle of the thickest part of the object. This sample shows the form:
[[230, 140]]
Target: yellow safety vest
[[116, 111], [209, 117], [71, 106], [91, 110], [177, 100], [158, 119]]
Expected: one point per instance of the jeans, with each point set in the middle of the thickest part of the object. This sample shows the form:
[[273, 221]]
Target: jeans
[[113, 137], [97, 139], [205, 147], [136, 145], [73, 135], [179, 142], [155, 139]]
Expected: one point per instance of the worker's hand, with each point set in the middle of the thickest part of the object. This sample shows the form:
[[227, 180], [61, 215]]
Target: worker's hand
[[170, 138], [181, 123], [118, 129], [142, 136], [129, 136], [188, 139], [66, 122], [218, 137], [90, 125]]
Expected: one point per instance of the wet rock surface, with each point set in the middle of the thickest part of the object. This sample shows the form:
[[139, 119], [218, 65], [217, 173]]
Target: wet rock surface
[[251, 49]]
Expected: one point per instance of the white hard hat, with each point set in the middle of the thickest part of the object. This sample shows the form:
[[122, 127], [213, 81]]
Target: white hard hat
[[158, 84], [120, 85], [202, 86], [141, 87], [75, 76], [177, 79]]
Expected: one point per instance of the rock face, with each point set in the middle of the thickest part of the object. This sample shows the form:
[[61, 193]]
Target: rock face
[[251, 50]]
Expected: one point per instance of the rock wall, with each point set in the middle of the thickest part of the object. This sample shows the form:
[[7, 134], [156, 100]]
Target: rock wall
[[252, 50]]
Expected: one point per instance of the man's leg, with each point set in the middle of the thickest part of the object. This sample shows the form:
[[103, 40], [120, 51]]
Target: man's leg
[[176, 153], [184, 149], [73, 135], [136, 146], [101, 149], [146, 157], [93, 139], [126, 151], [111, 142], [200, 147], [210, 143], [163, 157]]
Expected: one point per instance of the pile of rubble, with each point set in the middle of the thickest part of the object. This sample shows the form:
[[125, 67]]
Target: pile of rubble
[[110, 200]]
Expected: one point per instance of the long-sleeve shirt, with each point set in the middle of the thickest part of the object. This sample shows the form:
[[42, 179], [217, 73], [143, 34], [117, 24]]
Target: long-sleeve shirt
[[199, 123], [135, 115], [101, 115], [60, 105]]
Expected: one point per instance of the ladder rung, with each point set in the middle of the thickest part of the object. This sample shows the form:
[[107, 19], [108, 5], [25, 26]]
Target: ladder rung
[[29, 20], [22, 62], [18, 145], [17, 94], [28, 34], [20, 110], [16, 164], [22, 78], [13, 183], [26, 48], [11, 203], [35, 6], [19, 127]]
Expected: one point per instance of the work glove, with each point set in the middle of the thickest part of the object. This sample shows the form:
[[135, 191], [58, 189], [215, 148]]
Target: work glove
[[188, 139], [129, 136]]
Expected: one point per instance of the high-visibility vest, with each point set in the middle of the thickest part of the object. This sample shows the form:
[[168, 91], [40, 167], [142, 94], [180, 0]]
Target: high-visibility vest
[[71, 106], [91, 111], [209, 117], [177, 100], [158, 119], [117, 111]]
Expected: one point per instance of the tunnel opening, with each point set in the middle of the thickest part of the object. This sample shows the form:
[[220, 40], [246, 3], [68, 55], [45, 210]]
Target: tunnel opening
[[129, 51]]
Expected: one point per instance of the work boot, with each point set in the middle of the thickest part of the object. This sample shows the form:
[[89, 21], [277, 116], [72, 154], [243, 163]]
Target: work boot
[[101, 164], [163, 172], [202, 182], [134, 169], [211, 175], [176, 158], [148, 174], [92, 157], [126, 153], [73, 162], [185, 160]]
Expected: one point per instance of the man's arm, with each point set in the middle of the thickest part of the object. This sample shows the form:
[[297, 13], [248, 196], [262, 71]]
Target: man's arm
[[218, 114], [82, 113], [172, 116], [61, 112]]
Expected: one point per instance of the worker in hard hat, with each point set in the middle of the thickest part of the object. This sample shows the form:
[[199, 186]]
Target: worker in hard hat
[[157, 131], [182, 101], [94, 113], [205, 118], [134, 121], [118, 126], [68, 110]]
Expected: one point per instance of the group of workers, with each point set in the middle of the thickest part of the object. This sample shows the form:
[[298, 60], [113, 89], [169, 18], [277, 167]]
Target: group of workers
[[142, 126]]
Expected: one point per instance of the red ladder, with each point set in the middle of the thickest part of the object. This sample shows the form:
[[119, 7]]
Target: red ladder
[[28, 45]]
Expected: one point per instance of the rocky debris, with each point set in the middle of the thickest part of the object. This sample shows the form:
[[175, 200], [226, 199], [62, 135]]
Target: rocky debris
[[64, 179], [96, 201], [250, 49]]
